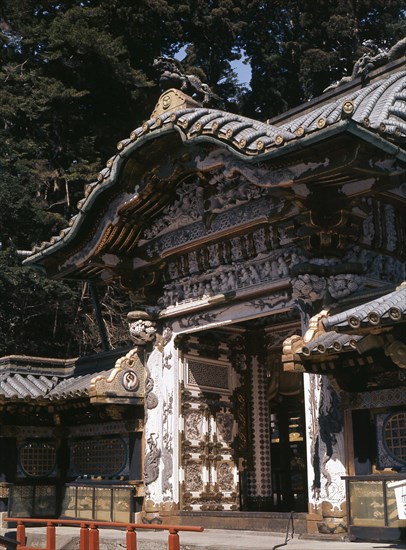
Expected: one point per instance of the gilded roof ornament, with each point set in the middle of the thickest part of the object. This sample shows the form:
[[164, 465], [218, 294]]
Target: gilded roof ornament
[[171, 76], [368, 62], [173, 100]]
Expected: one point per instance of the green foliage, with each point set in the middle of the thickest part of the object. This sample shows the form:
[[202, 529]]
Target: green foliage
[[299, 48], [33, 309]]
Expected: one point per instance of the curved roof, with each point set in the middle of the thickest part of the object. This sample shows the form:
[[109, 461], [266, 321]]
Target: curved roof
[[377, 108], [389, 309], [25, 378], [349, 330]]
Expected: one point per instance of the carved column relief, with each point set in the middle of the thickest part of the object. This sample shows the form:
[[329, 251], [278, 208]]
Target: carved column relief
[[326, 457], [161, 416], [210, 472]]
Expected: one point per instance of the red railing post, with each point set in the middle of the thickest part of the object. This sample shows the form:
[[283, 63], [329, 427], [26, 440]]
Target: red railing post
[[51, 539], [20, 534], [173, 539], [131, 538], [89, 532], [93, 537], [84, 537]]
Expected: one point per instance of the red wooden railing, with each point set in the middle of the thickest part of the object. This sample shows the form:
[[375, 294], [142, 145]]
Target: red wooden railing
[[89, 532]]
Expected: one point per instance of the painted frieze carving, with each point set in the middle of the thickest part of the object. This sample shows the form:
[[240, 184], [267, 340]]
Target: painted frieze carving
[[218, 279], [225, 425], [225, 477], [152, 459], [258, 209], [167, 448], [259, 175], [278, 300], [384, 226], [310, 287], [340, 286], [151, 399], [193, 476], [193, 425], [197, 199], [186, 209], [377, 265]]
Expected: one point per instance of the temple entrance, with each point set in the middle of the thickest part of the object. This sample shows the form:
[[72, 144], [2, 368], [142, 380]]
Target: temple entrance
[[243, 441], [288, 454]]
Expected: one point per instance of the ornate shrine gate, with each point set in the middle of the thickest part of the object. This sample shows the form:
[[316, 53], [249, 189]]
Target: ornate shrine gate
[[230, 234]]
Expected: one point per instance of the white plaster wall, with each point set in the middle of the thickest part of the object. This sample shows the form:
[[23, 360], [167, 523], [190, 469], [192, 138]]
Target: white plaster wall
[[319, 401], [162, 424]]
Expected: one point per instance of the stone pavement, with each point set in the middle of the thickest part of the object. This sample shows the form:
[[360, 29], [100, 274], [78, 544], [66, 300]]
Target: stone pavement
[[210, 539]]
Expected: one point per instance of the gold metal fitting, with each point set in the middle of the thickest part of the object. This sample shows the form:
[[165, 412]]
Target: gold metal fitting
[[173, 118], [214, 126], [260, 144], [198, 126], [242, 143], [382, 127], [366, 121], [229, 133], [279, 139], [348, 107], [166, 101], [133, 136], [300, 131], [145, 127], [158, 121], [321, 123]]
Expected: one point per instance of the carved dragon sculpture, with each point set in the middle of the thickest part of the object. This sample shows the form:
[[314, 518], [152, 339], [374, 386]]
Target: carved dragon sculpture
[[172, 76], [368, 62]]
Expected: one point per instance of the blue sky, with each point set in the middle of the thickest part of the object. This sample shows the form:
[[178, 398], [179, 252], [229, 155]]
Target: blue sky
[[243, 70]]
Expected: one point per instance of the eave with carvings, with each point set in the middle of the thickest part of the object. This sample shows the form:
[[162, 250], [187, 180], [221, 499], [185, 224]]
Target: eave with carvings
[[191, 178]]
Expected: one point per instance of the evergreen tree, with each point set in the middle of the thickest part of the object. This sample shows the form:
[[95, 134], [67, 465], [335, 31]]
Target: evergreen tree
[[77, 76], [297, 48]]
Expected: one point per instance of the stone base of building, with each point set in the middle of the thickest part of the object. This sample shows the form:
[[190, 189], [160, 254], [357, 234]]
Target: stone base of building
[[246, 521]]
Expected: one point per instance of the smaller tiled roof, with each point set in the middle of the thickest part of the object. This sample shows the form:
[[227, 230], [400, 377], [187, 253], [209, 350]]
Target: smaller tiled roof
[[330, 342], [36, 387], [26, 386], [389, 309], [37, 378], [75, 387], [354, 330]]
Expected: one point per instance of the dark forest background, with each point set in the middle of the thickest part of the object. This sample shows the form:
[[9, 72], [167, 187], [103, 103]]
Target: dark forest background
[[77, 76]]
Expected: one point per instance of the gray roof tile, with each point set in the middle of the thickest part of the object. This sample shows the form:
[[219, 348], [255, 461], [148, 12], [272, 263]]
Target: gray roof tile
[[386, 310], [380, 107], [330, 343]]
